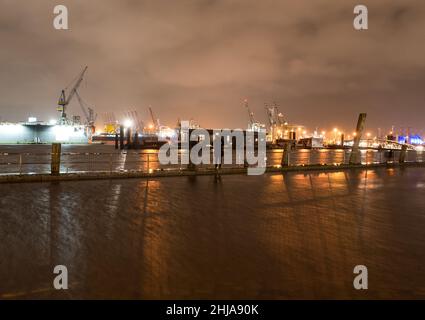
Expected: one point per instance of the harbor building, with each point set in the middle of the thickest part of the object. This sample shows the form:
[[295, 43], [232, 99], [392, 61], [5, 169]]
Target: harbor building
[[42, 133]]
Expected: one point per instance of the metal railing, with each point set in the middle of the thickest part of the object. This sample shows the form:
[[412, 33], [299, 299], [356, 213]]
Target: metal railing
[[129, 161]]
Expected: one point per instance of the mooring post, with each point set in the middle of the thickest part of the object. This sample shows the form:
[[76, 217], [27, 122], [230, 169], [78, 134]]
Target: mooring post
[[116, 140], [136, 140], [354, 157], [129, 138], [20, 163], [110, 163], [285, 156], [191, 165], [245, 160], [403, 153], [121, 137], [56, 159]]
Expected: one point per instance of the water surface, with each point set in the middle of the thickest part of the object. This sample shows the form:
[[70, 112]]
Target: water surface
[[276, 236]]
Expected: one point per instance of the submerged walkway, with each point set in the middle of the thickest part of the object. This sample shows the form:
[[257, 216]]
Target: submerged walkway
[[188, 172]]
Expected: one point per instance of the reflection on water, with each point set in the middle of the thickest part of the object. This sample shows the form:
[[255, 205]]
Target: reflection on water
[[276, 236]]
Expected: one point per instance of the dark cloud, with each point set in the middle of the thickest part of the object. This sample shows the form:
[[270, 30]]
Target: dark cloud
[[199, 58]]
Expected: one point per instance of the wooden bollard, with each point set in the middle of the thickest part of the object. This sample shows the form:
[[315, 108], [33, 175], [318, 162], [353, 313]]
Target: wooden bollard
[[136, 140], [129, 138], [56, 159], [191, 165], [355, 156], [403, 153], [285, 156], [121, 137]]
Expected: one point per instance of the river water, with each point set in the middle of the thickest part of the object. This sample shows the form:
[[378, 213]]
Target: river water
[[276, 236]]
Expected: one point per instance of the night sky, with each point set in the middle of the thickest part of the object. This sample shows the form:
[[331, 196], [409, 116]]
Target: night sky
[[199, 58]]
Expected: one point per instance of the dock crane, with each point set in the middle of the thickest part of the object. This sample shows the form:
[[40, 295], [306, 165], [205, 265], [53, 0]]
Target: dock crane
[[154, 120], [250, 114], [271, 114], [87, 111], [275, 117], [65, 99]]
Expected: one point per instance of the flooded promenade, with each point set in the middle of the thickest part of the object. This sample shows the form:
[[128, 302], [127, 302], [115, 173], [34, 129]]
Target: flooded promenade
[[36, 159], [275, 236]]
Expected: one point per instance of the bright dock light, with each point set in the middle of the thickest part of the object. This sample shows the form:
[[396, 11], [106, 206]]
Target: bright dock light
[[128, 123]]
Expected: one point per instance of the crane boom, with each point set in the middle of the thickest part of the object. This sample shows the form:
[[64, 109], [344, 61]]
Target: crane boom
[[65, 100], [250, 114], [155, 121], [88, 112]]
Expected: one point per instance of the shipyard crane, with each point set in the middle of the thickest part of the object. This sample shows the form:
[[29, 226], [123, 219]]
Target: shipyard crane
[[88, 112], [275, 117], [65, 99], [250, 114], [154, 120], [271, 113], [132, 116]]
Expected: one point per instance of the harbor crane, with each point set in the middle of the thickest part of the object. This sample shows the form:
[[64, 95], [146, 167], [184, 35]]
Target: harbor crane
[[88, 112], [133, 116], [271, 113], [276, 120], [250, 114], [155, 121], [275, 117], [65, 99], [253, 125]]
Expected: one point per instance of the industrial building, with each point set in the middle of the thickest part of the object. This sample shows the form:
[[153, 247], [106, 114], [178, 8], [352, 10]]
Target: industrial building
[[38, 132]]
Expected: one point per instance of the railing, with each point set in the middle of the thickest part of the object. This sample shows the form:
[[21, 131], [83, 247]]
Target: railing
[[40, 163]]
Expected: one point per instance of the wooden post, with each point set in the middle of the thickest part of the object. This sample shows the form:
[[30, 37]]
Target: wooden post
[[20, 163], [129, 138], [354, 157], [56, 159], [285, 156], [403, 152], [116, 140], [136, 140], [191, 165], [121, 137]]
